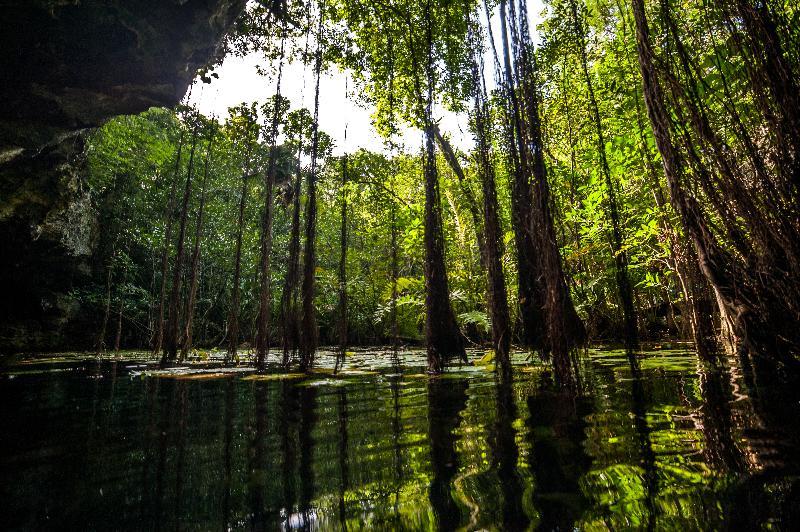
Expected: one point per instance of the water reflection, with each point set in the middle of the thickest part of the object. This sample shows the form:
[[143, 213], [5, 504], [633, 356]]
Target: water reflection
[[289, 409], [306, 515], [228, 418], [716, 421], [446, 400], [663, 443], [647, 457], [343, 459], [505, 455], [556, 429], [258, 474]]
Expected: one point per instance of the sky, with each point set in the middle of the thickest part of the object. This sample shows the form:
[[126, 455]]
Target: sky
[[239, 82]]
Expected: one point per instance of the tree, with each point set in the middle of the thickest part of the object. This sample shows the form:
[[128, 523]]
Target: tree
[[243, 127], [172, 331], [194, 275]]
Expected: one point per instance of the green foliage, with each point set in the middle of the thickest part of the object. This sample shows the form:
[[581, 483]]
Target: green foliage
[[132, 166]]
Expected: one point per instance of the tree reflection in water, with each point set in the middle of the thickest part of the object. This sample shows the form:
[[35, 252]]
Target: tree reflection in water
[[446, 400], [558, 460], [666, 443]]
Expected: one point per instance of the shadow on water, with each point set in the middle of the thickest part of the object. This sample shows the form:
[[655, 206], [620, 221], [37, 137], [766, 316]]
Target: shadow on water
[[664, 443]]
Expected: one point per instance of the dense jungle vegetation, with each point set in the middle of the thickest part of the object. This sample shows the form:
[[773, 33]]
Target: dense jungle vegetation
[[579, 311], [633, 175]]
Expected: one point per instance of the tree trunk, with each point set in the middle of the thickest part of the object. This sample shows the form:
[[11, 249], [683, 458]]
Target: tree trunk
[[395, 272], [118, 336], [265, 292], [308, 333], [530, 290], [495, 277], [441, 330], [233, 317], [194, 276], [343, 269], [158, 339], [265, 295], [497, 300], [289, 312], [101, 338], [171, 345]]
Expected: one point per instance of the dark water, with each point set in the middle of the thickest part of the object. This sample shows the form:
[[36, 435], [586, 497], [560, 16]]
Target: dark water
[[87, 444]]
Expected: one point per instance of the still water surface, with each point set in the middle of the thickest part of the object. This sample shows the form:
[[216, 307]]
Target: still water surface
[[117, 444]]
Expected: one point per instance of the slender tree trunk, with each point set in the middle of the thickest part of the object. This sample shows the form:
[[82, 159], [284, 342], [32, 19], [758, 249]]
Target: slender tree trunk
[[101, 338], [394, 264], [395, 272], [198, 237], [265, 295], [289, 297], [497, 300], [265, 292], [118, 337], [233, 316], [441, 330], [530, 290], [624, 287], [158, 338], [172, 340], [151, 307], [308, 335], [343, 269]]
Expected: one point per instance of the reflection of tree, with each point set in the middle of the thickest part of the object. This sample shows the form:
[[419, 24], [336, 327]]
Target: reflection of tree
[[287, 428], [446, 400], [396, 428], [343, 458], [767, 415], [183, 412], [504, 458], [646, 455], [226, 472], [165, 425], [257, 459], [152, 433], [558, 459], [308, 418], [720, 451]]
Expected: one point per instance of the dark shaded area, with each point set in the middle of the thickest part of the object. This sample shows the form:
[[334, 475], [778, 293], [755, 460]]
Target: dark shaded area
[[72, 65], [67, 67]]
